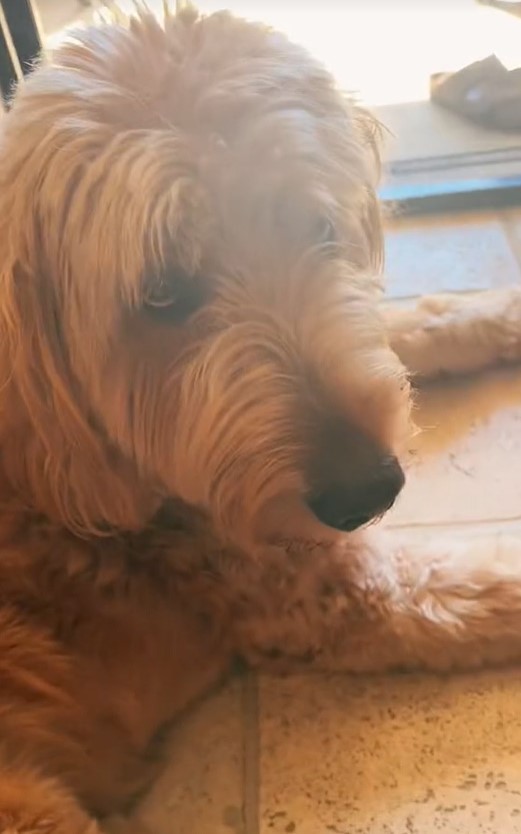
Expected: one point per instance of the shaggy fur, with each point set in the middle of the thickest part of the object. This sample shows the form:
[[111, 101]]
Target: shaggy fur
[[192, 344]]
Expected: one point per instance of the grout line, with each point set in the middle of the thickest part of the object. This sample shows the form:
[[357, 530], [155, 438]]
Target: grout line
[[251, 751]]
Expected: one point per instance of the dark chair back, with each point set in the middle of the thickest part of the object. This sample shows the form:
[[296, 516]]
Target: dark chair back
[[20, 43]]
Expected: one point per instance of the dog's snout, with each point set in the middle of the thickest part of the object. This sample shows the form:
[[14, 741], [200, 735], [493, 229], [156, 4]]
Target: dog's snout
[[351, 503]]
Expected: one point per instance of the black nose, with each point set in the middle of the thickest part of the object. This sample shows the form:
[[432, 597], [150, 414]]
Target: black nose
[[346, 505]]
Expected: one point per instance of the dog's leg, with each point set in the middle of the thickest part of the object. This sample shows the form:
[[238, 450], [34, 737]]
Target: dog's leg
[[31, 803], [384, 603], [457, 334]]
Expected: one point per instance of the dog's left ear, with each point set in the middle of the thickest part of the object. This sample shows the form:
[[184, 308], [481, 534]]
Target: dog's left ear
[[52, 449]]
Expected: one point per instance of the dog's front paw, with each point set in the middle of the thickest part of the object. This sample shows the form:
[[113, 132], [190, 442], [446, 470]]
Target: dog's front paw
[[457, 334]]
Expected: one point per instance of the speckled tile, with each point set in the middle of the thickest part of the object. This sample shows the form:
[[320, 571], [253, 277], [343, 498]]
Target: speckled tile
[[447, 254], [464, 467], [201, 789], [410, 754]]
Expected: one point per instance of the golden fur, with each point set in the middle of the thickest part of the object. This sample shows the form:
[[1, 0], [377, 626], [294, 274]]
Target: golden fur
[[155, 457]]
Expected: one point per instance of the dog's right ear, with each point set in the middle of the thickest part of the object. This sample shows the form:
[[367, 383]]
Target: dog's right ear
[[52, 451]]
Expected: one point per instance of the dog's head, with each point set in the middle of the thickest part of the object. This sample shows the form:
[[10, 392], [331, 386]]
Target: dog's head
[[190, 244]]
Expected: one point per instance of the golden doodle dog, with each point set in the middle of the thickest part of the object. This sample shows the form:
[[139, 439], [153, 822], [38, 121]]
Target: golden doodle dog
[[201, 407]]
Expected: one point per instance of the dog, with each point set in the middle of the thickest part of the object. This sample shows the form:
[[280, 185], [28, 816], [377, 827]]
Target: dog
[[204, 404]]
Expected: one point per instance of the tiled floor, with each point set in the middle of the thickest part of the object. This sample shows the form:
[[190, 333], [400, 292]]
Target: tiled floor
[[394, 755]]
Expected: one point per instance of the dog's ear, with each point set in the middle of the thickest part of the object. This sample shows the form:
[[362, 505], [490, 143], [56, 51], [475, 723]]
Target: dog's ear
[[52, 450], [52, 447]]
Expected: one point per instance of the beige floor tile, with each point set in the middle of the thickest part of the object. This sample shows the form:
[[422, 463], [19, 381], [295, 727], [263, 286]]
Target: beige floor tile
[[410, 754], [441, 255], [467, 465], [201, 790]]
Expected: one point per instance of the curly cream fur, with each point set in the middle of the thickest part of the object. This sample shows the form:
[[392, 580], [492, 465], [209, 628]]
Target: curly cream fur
[[153, 474]]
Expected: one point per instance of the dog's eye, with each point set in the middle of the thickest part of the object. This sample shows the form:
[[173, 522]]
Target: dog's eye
[[163, 292], [173, 296], [325, 231]]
